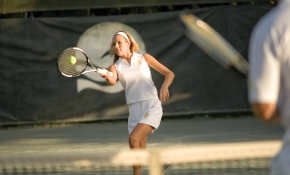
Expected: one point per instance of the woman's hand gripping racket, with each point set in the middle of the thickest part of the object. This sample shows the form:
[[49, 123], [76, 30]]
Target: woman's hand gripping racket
[[73, 62]]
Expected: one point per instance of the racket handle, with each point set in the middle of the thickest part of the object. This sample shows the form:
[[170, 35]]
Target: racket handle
[[110, 73], [102, 71]]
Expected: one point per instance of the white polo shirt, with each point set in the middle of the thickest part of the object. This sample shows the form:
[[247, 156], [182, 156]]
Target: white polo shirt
[[136, 79], [269, 57], [269, 76]]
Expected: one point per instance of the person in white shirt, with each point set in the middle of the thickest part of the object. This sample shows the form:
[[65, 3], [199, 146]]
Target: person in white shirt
[[133, 71], [269, 76]]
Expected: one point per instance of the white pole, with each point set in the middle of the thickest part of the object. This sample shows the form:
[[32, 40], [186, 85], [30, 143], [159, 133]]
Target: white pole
[[155, 166]]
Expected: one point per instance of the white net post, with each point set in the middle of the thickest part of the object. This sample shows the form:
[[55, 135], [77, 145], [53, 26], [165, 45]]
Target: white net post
[[155, 164]]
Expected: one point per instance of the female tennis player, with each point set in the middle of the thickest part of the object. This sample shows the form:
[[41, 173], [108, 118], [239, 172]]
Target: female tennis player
[[133, 71]]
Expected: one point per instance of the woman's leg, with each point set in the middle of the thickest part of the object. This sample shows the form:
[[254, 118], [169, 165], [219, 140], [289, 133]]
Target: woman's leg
[[143, 142], [137, 140]]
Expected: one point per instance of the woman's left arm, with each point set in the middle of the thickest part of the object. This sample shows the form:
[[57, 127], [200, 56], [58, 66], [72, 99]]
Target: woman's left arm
[[169, 76]]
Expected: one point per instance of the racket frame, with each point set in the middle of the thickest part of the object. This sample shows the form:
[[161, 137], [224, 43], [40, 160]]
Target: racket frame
[[211, 42], [95, 69]]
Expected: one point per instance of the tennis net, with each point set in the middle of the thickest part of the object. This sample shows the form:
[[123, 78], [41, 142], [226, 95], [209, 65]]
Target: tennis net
[[229, 158]]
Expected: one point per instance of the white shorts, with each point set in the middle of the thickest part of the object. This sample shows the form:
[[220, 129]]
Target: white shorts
[[148, 112]]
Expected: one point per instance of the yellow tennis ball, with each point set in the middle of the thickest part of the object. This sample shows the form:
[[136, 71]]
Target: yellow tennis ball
[[72, 60]]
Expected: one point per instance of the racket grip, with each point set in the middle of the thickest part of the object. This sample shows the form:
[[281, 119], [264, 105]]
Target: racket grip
[[102, 71]]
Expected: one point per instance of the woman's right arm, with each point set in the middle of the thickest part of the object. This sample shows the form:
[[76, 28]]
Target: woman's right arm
[[111, 80]]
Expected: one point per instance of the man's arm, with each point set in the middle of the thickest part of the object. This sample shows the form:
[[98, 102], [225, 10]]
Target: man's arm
[[266, 112]]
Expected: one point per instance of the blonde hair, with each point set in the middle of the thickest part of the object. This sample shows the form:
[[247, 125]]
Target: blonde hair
[[133, 46]]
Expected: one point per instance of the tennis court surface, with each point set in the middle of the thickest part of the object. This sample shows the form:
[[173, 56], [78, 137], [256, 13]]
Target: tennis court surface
[[195, 146]]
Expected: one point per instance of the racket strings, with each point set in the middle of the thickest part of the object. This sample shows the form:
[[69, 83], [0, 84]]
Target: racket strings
[[67, 68]]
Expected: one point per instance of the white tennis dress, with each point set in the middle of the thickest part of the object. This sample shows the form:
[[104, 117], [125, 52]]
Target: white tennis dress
[[141, 93]]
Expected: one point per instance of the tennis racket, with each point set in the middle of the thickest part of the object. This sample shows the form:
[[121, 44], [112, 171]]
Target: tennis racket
[[213, 43], [73, 62]]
